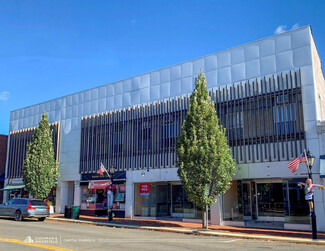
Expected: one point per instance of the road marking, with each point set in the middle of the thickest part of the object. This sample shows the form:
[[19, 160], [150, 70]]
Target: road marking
[[35, 244]]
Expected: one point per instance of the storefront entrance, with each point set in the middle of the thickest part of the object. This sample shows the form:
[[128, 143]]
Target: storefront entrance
[[266, 200], [263, 201]]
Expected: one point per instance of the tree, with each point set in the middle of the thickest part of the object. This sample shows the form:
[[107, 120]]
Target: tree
[[205, 162], [40, 170]]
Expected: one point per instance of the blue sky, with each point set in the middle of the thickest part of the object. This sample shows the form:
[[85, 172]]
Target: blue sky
[[53, 48]]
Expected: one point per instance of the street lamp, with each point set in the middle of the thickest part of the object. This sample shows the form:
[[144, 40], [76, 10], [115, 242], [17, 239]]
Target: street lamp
[[310, 162]]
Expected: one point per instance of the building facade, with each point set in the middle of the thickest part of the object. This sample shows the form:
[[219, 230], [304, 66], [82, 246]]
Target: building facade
[[269, 95], [3, 156]]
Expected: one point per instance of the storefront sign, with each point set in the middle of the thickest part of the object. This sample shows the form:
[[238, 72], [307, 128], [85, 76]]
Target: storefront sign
[[144, 189], [98, 184]]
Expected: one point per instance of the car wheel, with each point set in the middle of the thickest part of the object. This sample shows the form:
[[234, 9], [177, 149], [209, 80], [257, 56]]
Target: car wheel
[[42, 219], [18, 216]]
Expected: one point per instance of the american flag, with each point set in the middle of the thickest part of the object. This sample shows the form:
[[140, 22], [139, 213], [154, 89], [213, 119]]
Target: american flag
[[101, 169], [294, 164]]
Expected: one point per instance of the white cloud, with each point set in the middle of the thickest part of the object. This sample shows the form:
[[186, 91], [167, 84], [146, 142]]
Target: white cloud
[[4, 96], [280, 29], [295, 26]]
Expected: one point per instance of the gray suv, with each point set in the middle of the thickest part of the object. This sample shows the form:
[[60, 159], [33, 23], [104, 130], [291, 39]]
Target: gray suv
[[25, 208]]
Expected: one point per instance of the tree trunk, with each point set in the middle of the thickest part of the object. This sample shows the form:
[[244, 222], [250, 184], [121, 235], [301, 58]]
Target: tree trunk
[[204, 218]]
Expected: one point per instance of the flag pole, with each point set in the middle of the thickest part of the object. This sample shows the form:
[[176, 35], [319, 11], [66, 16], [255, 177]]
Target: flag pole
[[105, 169], [307, 163]]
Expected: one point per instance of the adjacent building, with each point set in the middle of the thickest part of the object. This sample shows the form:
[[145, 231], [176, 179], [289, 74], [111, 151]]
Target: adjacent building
[[3, 156], [269, 95]]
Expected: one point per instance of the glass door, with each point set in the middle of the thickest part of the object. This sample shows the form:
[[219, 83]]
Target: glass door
[[270, 203], [247, 200]]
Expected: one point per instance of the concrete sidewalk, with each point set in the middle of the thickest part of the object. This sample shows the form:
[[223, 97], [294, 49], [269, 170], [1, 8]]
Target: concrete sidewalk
[[304, 237]]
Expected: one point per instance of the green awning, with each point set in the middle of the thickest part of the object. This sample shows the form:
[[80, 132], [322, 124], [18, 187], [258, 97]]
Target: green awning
[[12, 187]]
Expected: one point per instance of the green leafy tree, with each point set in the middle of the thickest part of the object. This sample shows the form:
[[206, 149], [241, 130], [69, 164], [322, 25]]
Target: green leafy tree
[[205, 162], [40, 170]]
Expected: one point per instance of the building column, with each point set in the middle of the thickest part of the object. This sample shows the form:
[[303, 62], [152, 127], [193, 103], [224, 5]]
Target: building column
[[216, 212], [319, 206], [61, 196], [129, 200], [5, 192], [77, 193]]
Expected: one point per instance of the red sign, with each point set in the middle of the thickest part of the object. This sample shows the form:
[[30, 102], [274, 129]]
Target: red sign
[[98, 184], [144, 188]]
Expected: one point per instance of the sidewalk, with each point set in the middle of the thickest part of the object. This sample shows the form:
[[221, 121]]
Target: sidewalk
[[195, 228]]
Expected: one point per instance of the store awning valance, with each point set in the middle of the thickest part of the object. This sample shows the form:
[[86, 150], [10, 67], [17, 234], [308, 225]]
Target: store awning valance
[[13, 187]]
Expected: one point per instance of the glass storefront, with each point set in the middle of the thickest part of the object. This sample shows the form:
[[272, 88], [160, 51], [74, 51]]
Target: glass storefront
[[282, 201], [164, 200]]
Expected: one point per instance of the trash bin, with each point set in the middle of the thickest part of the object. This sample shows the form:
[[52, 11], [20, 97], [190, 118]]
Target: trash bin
[[67, 212], [75, 212]]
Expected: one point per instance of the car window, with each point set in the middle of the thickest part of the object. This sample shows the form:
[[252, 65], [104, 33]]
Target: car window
[[38, 203], [15, 202], [10, 202], [20, 202]]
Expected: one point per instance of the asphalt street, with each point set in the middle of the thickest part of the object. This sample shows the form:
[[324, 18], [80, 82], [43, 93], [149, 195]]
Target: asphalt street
[[35, 235]]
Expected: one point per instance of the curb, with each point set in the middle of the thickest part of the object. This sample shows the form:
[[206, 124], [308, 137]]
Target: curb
[[196, 232]]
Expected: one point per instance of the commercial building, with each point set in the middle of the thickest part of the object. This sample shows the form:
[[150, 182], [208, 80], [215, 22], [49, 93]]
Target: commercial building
[[3, 156], [269, 94]]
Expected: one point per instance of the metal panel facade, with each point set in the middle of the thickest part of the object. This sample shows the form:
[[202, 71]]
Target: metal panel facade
[[262, 120]]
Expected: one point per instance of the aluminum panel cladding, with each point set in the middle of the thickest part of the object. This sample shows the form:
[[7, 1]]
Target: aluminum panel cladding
[[212, 78], [135, 84], [237, 56], [118, 88], [223, 59], [283, 43], [165, 90], [127, 85], [224, 76], [253, 69], [135, 97], [126, 99], [301, 56], [110, 90], [154, 78], [186, 69], [267, 47], [187, 85], [144, 95], [300, 38], [155, 92], [198, 64], [237, 73], [164, 75], [251, 52], [175, 72], [284, 61], [144, 81], [210, 62], [175, 88], [268, 65]]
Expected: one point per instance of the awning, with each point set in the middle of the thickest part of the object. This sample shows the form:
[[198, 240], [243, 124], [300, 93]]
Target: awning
[[12, 187]]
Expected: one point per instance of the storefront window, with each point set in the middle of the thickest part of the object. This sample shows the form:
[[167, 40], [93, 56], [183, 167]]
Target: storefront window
[[233, 202], [295, 206], [164, 199], [88, 198]]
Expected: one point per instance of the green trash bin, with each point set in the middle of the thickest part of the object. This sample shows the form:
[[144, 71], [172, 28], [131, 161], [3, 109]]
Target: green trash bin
[[75, 212]]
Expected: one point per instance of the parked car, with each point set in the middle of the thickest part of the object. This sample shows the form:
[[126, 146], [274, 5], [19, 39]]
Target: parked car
[[25, 208]]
